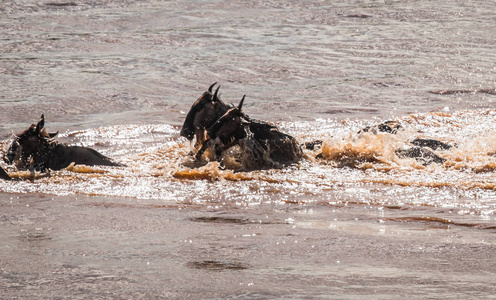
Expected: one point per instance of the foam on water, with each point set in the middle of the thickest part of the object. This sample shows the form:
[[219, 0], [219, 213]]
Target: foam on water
[[354, 221], [350, 167]]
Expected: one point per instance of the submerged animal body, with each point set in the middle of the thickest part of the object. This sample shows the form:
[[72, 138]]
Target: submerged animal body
[[387, 127], [420, 154], [430, 143], [262, 145], [4, 175], [421, 149], [36, 149], [206, 110]]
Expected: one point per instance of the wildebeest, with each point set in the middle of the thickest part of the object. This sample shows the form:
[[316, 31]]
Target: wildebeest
[[35, 149], [388, 127], [206, 110], [393, 127], [4, 175], [262, 144], [421, 149], [420, 154]]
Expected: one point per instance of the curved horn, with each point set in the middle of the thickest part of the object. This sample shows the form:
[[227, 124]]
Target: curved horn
[[40, 124], [211, 87], [241, 102], [216, 98]]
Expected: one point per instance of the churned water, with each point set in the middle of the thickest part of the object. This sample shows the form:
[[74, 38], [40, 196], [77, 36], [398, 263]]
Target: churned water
[[351, 220]]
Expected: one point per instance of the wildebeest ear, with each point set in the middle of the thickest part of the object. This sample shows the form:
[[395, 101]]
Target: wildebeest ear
[[40, 124], [216, 98], [211, 87], [241, 102]]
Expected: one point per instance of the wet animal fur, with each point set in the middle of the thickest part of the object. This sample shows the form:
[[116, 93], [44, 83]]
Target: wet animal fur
[[206, 110], [35, 149], [422, 149], [262, 145], [225, 132], [422, 155], [4, 175], [282, 149]]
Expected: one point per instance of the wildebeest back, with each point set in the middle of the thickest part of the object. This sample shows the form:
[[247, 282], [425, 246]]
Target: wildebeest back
[[63, 156], [267, 147]]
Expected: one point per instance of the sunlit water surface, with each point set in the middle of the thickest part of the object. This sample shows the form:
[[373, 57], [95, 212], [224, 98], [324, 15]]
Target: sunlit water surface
[[351, 167], [351, 220]]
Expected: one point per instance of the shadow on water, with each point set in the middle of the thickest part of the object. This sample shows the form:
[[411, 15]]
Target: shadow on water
[[443, 223], [222, 220], [215, 265]]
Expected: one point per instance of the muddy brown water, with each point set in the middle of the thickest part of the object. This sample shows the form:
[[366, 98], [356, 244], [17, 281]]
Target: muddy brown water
[[355, 222]]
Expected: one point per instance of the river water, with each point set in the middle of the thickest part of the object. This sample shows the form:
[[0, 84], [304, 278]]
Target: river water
[[350, 221]]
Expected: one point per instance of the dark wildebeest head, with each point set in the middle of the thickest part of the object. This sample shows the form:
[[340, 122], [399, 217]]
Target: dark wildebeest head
[[226, 130], [203, 114], [229, 127], [30, 143]]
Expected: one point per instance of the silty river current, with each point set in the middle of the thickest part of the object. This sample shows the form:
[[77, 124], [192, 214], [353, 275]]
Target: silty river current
[[352, 220]]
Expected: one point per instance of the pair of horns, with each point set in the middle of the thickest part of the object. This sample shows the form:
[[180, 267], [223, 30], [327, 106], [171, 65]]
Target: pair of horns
[[210, 88], [215, 98]]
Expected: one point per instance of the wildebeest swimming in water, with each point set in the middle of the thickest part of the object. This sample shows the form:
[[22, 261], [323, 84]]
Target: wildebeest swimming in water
[[393, 127], [262, 144], [206, 110], [225, 132], [4, 175], [35, 149], [421, 149]]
